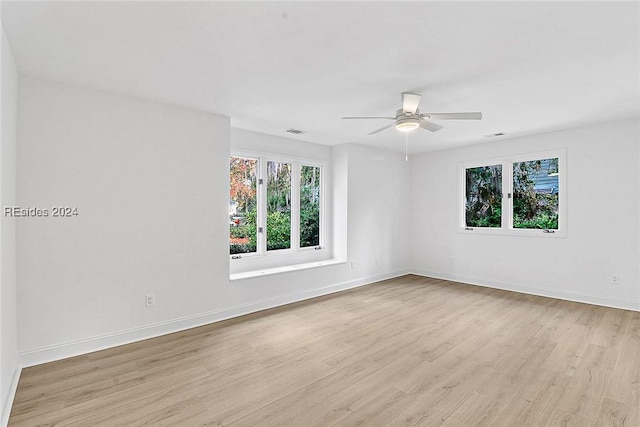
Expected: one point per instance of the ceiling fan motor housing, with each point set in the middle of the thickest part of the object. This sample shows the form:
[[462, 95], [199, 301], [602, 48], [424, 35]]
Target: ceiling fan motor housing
[[406, 121], [407, 124]]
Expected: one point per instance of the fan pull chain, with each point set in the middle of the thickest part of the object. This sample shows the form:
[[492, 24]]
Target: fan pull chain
[[406, 147]]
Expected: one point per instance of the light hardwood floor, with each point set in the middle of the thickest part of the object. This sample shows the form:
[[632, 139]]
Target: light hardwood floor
[[406, 351]]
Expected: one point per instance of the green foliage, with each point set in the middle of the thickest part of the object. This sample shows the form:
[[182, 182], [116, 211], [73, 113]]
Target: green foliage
[[543, 221], [278, 230], [243, 192], [252, 228], [309, 206], [494, 219], [241, 248], [239, 232], [484, 196], [278, 187], [278, 205], [310, 225], [245, 231], [278, 227], [242, 183], [533, 209]]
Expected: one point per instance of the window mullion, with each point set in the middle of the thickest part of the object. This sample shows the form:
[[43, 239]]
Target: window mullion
[[507, 185], [295, 206], [262, 208], [323, 236]]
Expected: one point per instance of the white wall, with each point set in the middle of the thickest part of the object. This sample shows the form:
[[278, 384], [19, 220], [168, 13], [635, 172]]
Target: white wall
[[9, 364], [145, 179], [150, 182], [379, 205], [603, 211]]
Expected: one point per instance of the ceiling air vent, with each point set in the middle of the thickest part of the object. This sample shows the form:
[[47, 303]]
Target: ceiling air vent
[[295, 131], [495, 134]]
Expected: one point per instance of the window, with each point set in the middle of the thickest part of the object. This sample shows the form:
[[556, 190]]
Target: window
[[276, 207], [521, 195], [483, 196], [243, 205], [535, 194], [309, 206]]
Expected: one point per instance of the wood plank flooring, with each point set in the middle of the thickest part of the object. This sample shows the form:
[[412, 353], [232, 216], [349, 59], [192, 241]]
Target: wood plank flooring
[[403, 352]]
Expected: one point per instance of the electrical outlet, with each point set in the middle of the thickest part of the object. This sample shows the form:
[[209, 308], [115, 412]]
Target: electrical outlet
[[150, 300], [615, 279], [353, 265]]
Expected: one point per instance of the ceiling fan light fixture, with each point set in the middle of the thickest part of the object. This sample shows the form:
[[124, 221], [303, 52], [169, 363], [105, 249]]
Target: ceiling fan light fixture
[[407, 125], [409, 117]]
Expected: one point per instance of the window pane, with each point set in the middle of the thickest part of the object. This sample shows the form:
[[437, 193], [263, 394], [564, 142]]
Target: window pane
[[309, 206], [535, 194], [278, 205], [242, 205], [483, 201]]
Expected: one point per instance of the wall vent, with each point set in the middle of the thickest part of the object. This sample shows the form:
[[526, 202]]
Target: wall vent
[[295, 131]]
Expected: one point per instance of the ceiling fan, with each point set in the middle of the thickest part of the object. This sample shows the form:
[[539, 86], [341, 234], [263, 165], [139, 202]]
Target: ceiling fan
[[409, 117]]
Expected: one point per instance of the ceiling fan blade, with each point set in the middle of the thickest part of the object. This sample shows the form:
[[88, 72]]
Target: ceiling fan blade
[[453, 116], [381, 129], [390, 118], [430, 126], [410, 102]]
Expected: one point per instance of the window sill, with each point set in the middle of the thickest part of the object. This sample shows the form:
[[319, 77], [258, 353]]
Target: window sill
[[513, 232], [283, 269]]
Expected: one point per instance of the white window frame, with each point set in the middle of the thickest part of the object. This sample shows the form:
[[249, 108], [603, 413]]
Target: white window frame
[[506, 227], [263, 259]]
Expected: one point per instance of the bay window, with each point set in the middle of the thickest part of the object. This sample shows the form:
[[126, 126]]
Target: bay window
[[276, 211]]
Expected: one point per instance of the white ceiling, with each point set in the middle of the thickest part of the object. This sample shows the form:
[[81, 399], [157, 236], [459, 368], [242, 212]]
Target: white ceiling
[[530, 67]]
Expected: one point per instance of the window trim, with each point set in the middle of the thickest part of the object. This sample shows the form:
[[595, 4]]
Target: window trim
[[506, 228], [263, 259]]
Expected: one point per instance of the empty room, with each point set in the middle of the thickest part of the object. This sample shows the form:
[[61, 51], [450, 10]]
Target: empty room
[[320, 213]]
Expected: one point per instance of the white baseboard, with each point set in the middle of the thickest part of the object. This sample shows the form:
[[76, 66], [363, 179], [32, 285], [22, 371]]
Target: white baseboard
[[543, 292], [60, 351], [8, 403]]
